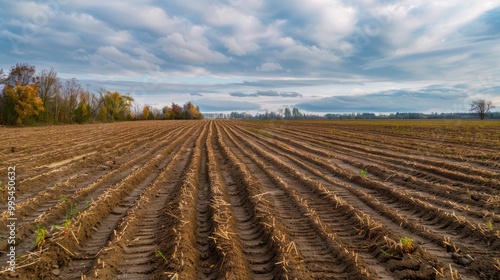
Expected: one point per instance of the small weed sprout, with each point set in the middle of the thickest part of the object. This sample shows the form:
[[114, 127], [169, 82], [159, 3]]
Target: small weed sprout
[[406, 244], [158, 253], [87, 204], [63, 198], [363, 173], [263, 133], [41, 232], [66, 225], [489, 224], [72, 211]]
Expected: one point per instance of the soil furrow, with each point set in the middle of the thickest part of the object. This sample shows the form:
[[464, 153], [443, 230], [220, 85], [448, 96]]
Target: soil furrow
[[484, 236], [234, 199], [413, 162], [403, 182], [106, 228], [483, 257], [108, 161], [208, 262], [81, 197], [133, 252], [257, 243], [95, 225], [324, 257]]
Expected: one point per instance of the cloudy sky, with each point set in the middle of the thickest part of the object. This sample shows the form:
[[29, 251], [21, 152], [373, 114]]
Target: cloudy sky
[[322, 56]]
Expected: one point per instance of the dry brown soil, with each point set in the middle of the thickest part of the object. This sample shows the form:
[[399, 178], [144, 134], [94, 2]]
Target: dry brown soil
[[254, 200]]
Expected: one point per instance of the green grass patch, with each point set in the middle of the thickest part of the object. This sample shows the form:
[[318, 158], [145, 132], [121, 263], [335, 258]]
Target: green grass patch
[[261, 132]]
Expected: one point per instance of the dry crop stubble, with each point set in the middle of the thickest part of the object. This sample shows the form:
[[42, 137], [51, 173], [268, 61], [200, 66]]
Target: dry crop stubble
[[262, 200]]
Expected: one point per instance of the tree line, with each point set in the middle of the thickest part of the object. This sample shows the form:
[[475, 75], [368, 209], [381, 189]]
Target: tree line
[[477, 109], [411, 116], [28, 97], [286, 113]]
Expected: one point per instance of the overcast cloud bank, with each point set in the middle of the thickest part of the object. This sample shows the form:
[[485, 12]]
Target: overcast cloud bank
[[328, 56]]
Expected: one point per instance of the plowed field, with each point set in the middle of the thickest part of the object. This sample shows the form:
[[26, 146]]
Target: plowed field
[[254, 200]]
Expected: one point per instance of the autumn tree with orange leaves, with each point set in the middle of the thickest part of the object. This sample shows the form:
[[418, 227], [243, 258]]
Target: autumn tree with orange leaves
[[192, 111], [19, 102], [22, 104]]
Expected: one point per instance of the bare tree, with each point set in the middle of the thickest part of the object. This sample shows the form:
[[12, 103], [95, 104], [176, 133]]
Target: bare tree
[[49, 87], [71, 92], [288, 113], [2, 81], [157, 113], [21, 73], [481, 107], [48, 84]]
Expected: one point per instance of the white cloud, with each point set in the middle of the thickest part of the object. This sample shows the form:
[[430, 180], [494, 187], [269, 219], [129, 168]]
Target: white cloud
[[87, 27], [191, 50], [269, 66], [321, 22], [224, 15], [120, 63], [132, 15], [240, 47], [148, 56], [32, 11], [425, 25], [309, 55], [450, 62]]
